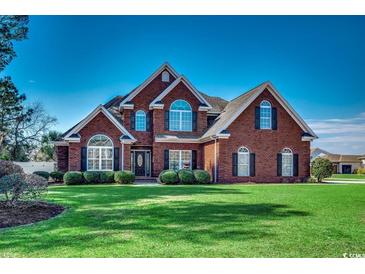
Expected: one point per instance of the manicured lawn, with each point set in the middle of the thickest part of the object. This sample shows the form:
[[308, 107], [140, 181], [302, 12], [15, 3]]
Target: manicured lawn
[[348, 176], [196, 221]]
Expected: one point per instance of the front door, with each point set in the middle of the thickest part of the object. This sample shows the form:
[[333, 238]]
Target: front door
[[140, 163], [346, 169]]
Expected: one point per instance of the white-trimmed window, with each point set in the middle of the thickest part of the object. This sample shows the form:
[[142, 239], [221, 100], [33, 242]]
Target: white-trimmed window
[[286, 162], [243, 162], [100, 153], [165, 76], [140, 120], [265, 115], [180, 116], [179, 159]]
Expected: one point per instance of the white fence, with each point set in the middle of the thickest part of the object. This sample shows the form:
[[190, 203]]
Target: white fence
[[30, 167]]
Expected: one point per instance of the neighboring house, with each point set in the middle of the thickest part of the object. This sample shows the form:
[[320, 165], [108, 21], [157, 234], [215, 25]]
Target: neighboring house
[[342, 163], [166, 123]]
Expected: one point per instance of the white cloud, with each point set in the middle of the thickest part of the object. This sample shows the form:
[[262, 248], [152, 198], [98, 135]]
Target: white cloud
[[31, 81], [340, 135]]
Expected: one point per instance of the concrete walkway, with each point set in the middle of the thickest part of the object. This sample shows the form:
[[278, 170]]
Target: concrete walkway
[[345, 181]]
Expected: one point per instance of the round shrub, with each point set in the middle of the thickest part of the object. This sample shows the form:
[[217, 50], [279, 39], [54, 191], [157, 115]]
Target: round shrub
[[107, 177], [57, 176], [73, 178], [201, 176], [169, 177], [186, 176], [43, 174], [8, 167], [124, 177], [92, 177], [159, 179]]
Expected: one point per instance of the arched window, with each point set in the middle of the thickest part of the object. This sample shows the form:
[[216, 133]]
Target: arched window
[[140, 120], [100, 153], [165, 76], [286, 162], [243, 168], [265, 115], [180, 116]]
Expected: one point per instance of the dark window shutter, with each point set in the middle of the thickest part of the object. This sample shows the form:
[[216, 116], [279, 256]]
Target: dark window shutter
[[148, 121], [279, 163], [166, 159], [116, 158], [167, 117], [295, 165], [257, 117], [252, 164], [274, 119], [234, 164], [193, 159], [195, 121], [83, 158], [133, 120]]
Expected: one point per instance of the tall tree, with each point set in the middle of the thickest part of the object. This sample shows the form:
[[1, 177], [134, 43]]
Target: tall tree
[[12, 28], [46, 151]]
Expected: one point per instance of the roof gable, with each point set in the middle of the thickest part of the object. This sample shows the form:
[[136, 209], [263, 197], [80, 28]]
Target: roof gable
[[100, 109], [157, 101], [136, 91], [239, 104]]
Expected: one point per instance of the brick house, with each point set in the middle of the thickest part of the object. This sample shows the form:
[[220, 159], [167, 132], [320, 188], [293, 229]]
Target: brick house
[[166, 123]]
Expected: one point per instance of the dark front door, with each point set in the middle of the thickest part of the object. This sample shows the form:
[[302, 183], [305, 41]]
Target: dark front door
[[346, 169], [140, 163]]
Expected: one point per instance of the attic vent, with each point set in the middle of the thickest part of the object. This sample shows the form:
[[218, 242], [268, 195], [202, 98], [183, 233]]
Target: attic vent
[[165, 76]]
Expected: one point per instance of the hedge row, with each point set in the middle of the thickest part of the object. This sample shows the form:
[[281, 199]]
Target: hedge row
[[56, 176], [98, 177], [184, 176]]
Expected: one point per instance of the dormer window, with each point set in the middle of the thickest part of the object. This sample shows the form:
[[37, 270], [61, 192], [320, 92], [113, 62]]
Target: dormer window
[[165, 76]]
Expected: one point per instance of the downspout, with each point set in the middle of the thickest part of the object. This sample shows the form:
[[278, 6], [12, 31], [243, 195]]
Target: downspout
[[215, 159], [122, 156]]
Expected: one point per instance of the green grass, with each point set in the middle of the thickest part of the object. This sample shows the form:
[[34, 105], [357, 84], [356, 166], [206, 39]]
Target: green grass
[[196, 221]]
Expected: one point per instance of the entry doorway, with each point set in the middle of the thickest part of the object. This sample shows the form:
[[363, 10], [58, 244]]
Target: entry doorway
[[141, 162]]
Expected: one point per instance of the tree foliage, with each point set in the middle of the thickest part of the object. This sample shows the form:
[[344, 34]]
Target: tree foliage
[[12, 28], [47, 149], [321, 168]]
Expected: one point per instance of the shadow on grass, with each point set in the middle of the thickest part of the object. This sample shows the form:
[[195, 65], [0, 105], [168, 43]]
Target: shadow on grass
[[114, 216]]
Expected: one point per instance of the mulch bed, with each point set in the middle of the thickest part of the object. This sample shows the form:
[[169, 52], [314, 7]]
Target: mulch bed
[[27, 213]]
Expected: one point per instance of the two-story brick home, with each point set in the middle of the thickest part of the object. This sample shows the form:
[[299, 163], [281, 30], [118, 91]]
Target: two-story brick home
[[166, 123]]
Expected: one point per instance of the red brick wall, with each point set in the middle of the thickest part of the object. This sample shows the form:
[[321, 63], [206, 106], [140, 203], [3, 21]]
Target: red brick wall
[[99, 125], [208, 150], [158, 154], [264, 143], [62, 158]]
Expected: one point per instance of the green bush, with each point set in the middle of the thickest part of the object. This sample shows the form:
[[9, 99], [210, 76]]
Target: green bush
[[124, 177], [321, 168], [57, 176], [73, 178], [43, 174], [186, 176], [201, 176], [169, 177], [92, 177], [107, 177]]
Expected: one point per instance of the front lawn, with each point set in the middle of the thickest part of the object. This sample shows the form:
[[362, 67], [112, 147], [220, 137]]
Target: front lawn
[[196, 221], [348, 176]]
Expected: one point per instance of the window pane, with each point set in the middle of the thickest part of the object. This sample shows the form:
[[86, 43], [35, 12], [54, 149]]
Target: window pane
[[265, 115], [174, 120], [185, 159], [287, 164], [100, 140], [186, 124], [174, 157], [180, 105], [243, 164], [140, 121]]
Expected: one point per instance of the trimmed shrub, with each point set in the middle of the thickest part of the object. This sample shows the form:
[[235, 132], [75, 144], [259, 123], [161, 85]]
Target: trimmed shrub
[[186, 176], [8, 167], [57, 176], [92, 177], [321, 168], [73, 178], [124, 177], [201, 176], [43, 174], [107, 177], [169, 177]]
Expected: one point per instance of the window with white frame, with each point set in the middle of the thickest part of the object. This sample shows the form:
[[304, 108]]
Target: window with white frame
[[286, 162], [140, 120], [243, 165], [180, 116], [265, 115], [165, 76], [100, 153], [179, 159]]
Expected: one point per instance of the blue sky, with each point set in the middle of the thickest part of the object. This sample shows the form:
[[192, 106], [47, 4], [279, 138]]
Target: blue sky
[[73, 63]]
